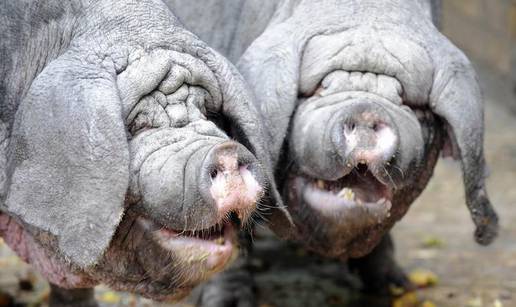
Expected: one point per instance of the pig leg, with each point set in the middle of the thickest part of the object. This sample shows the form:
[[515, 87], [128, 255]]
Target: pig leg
[[379, 270], [61, 297]]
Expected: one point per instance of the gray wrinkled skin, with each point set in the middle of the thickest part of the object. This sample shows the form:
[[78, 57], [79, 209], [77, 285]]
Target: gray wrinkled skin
[[318, 68], [305, 41], [394, 50], [388, 38], [111, 113]]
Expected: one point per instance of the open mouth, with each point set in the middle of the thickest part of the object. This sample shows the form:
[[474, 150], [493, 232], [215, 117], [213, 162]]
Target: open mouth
[[358, 191], [212, 248]]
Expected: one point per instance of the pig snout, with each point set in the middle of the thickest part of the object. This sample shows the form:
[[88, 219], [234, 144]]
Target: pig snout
[[365, 135], [236, 181]]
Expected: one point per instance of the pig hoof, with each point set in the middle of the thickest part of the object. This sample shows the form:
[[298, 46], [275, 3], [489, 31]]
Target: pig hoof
[[230, 288]]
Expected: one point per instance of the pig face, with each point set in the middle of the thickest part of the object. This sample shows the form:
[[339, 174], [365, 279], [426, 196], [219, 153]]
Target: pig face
[[359, 98], [360, 158], [131, 160]]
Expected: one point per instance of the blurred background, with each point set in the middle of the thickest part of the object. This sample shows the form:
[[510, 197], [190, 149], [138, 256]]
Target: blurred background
[[434, 241], [486, 31]]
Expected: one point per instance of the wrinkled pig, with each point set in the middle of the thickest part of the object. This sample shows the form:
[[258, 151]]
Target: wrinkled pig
[[359, 98], [130, 151]]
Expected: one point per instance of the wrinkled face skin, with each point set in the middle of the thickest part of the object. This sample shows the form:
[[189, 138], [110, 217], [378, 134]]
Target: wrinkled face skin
[[360, 97], [189, 183], [360, 159], [191, 187], [135, 176]]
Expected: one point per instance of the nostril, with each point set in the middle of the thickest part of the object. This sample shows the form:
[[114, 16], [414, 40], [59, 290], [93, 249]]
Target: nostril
[[362, 167], [243, 167], [235, 218], [213, 173]]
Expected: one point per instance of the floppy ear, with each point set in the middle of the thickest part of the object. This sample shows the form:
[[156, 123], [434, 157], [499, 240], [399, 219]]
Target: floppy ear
[[271, 68], [456, 97], [69, 159]]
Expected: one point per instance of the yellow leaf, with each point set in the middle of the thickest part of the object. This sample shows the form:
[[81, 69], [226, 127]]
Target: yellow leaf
[[476, 302], [497, 303], [423, 278], [397, 291], [433, 242], [109, 297], [428, 304], [408, 299]]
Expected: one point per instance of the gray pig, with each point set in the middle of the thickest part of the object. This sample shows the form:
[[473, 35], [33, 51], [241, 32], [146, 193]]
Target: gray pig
[[117, 158], [359, 98]]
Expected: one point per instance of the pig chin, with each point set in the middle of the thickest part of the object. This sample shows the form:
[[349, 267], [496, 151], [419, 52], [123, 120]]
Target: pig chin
[[164, 264], [354, 152], [335, 214]]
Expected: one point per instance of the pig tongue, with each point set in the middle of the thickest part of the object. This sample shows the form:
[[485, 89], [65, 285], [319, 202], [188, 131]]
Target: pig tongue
[[216, 235], [346, 202]]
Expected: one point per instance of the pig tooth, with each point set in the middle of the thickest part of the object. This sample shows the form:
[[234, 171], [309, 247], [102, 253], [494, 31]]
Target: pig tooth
[[346, 194], [220, 240], [381, 200], [320, 184], [359, 201]]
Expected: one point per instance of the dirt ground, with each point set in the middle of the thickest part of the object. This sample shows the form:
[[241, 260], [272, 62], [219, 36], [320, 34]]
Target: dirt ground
[[436, 235]]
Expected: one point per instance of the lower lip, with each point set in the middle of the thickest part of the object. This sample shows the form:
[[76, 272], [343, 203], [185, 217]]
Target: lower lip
[[329, 204], [215, 256]]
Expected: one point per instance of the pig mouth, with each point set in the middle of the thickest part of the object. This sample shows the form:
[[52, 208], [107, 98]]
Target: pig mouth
[[207, 250], [358, 194]]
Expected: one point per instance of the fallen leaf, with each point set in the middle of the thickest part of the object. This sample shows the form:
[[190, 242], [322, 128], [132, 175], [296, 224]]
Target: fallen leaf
[[109, 297], [423, 278], [428, 304], [397, 291], [475, 302], [497, 303], [408, 299], [433, 242]]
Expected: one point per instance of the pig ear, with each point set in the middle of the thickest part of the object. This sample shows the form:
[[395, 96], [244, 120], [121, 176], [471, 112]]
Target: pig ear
[[271, 68], [69, 158], [457, 98]]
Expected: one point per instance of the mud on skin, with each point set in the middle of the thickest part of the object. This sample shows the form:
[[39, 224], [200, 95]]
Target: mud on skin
[[121, 148]]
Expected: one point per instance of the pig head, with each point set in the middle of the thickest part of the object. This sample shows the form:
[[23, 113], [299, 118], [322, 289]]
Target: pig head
[[359, 98], [130, 150]]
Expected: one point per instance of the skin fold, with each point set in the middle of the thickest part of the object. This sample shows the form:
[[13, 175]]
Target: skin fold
[[359, 99], [130, 151]]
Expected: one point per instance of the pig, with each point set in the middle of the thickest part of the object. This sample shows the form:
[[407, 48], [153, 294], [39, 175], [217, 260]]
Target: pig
[[359, 99], [130, 152]]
